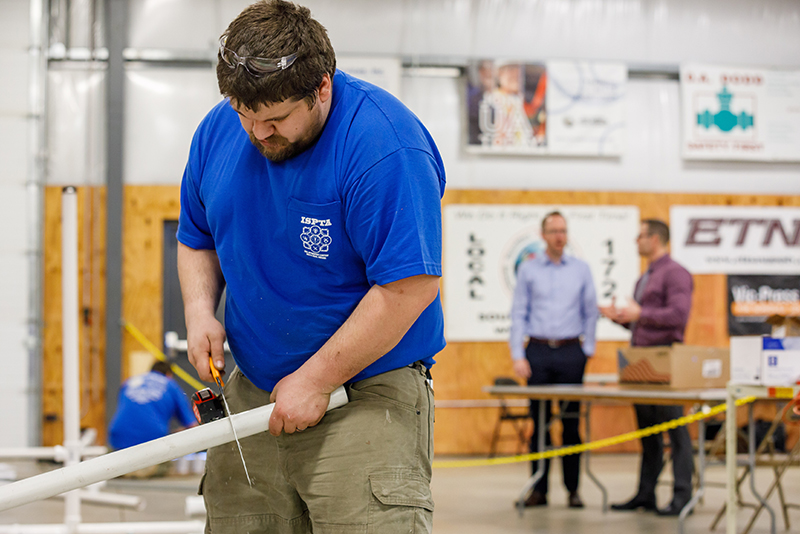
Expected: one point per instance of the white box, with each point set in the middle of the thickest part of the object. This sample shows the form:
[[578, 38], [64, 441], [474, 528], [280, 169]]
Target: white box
[[746, 360], [780, 361]]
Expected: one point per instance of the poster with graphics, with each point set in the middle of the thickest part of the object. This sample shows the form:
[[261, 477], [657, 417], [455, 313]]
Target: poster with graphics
[[586, 108], [753, 298], [736, 239], [733, 113], [485, 244], [557, 108], [506, 107]]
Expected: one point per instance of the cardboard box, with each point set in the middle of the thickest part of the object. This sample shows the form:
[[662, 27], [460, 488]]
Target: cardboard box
[[679, 366], [780, 361], [746, 360], [784, 326]]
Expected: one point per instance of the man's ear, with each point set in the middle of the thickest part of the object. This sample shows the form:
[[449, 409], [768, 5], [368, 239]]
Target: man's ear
[[325, 88]]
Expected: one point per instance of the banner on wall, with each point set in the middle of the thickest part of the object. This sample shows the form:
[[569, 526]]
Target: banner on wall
[[553, 108], [485, 244], [740, 113], [753, 298], [736, 239]]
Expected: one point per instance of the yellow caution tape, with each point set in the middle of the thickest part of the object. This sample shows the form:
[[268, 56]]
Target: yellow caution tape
[[152, 349], [599, 444]]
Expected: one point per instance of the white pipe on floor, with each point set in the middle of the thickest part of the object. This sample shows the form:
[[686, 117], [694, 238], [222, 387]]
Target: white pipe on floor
[[133, 502], [140, 456], [151, 527], [70, 352], [57, 453]]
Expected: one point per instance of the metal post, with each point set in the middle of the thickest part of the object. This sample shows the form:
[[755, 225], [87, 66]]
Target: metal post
[[587, 464]]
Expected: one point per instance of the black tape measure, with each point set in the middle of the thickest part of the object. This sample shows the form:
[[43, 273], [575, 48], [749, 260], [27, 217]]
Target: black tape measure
[[207, 406]]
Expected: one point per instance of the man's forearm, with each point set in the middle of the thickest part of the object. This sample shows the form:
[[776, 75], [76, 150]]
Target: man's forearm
[[201, 280], [377, 324]]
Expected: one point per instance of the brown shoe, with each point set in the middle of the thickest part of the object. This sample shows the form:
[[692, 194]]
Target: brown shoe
[[575, 500], [534, 499]]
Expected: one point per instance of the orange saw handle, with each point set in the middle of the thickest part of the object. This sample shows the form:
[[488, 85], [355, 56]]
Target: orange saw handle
[[215, 372]]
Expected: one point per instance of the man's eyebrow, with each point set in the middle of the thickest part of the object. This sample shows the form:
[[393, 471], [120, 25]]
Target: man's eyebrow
[[279, 118]]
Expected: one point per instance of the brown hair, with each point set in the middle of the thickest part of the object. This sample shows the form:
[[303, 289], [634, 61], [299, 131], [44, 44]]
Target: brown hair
[[551, 214], [273, 29], [659, 228]]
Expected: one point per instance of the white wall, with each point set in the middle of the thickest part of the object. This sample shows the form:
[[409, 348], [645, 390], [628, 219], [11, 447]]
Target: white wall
[[14, 211], [644, 33]]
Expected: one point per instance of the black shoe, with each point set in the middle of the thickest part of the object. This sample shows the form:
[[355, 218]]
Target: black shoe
[[636, 503], [534, 499], [674, 509], [575, 500]]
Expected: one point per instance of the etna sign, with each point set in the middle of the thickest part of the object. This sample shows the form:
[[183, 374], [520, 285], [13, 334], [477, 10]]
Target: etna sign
[[736, 240]]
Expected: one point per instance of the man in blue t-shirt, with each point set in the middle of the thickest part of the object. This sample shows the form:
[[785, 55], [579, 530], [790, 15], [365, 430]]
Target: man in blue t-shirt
[[146, 405], [314, 199]]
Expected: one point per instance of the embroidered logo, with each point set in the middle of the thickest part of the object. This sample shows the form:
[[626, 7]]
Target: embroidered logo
[[315, 237]]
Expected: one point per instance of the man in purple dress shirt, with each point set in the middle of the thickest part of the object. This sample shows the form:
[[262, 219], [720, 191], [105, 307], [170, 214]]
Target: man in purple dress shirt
[[554, 306], [657, 316]]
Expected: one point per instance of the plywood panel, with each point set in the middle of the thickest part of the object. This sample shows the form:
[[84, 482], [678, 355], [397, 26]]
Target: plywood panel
[[145, 210], [462, 369], [469, 431], [91, 291]]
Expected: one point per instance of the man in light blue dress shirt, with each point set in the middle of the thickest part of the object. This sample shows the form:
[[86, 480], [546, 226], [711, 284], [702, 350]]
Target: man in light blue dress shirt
[[555, 307]]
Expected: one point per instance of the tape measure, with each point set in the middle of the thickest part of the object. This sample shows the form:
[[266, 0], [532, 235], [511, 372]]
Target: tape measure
[[207, 406]]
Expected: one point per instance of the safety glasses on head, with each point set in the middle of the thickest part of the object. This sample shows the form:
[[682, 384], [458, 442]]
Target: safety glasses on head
[[256, 66]]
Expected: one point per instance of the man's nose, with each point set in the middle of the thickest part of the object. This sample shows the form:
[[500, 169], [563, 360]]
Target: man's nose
[[263, 129]]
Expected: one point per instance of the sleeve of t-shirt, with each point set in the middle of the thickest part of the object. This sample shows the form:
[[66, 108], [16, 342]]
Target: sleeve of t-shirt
[[184, 411], [393, 217], [193, 229]]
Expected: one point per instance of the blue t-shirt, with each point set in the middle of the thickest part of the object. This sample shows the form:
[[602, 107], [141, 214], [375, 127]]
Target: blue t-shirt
[[145, 406], [300, 242]]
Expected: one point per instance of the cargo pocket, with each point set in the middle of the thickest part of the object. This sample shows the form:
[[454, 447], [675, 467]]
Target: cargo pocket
[[402, 503], [200, 486]]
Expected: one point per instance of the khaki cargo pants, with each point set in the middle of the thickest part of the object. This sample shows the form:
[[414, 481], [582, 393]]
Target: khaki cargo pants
[[365, 468]]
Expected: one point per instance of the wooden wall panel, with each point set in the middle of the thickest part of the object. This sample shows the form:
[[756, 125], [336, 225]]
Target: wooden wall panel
[[91, 291], [461, 431], [145, 210], [462, 369]]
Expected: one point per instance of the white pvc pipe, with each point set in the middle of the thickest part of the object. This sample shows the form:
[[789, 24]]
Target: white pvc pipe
[[140, 456], [69, 341], [58, 452], [152, 527], [133, 502]]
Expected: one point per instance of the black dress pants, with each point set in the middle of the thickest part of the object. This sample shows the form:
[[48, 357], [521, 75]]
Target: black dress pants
[[653, 453], [562, 365]]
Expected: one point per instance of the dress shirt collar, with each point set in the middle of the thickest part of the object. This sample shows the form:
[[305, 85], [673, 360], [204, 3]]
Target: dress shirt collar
[[660, 262], [548, 261]]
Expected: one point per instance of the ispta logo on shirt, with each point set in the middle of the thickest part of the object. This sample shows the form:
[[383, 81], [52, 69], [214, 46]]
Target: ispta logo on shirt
[[315, 237]]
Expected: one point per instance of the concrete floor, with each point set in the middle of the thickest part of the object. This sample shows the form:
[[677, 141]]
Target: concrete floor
[[472, 500]]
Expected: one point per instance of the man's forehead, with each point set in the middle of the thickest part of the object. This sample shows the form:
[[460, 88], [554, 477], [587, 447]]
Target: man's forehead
[[265, 111]]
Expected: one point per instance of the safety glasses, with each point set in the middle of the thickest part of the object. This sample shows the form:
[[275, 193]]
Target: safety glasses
[[256, 66]]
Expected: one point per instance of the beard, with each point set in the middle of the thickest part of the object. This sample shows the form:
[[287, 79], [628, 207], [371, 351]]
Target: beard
[[280, 149]]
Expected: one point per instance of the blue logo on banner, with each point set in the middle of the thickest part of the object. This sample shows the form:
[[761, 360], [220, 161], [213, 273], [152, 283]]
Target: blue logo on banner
[[772, 361], [724, 119]]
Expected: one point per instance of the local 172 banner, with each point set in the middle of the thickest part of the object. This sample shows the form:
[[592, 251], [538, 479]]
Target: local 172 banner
[[736, 239], [485, 245], [753, 298], [554, 108], [740, 113]]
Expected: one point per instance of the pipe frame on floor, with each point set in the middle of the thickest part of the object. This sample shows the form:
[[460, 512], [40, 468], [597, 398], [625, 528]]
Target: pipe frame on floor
[[144, 455]]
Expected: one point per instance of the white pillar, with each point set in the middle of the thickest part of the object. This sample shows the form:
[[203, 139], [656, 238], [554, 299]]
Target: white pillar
[[70, 352]]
